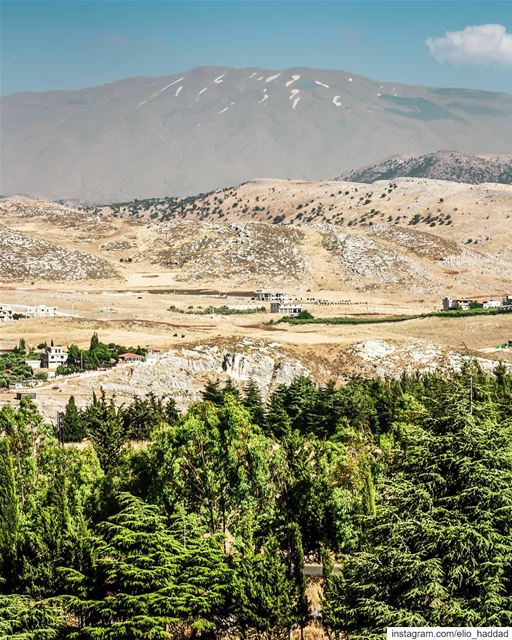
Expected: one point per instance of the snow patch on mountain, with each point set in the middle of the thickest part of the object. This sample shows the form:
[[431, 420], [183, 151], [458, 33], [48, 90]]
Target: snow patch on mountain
[[294, 79]]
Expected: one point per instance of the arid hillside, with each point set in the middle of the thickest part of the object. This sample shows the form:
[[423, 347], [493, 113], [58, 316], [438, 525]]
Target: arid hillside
[[476, 216], [157, 273], [426, 237]]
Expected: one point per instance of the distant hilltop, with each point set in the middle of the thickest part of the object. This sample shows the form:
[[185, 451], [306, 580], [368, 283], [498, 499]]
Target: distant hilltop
[[440, 165], [216, 126]]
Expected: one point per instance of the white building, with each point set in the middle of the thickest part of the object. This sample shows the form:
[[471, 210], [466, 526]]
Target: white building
[[492, 304], [5, 312], [243, 307], [287, 309], [53, 357], [33, 364], [271, 296], [40, 311], [450, 303]]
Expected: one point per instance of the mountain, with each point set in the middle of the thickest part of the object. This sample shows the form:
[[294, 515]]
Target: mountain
[[215, 126], [440, 165]]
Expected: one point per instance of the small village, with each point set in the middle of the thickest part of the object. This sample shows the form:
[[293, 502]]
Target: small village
[[24, 368], [478, 302]]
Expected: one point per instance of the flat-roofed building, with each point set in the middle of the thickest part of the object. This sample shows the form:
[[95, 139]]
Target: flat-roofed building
[[271, 296], [54, 357], [287, 309]]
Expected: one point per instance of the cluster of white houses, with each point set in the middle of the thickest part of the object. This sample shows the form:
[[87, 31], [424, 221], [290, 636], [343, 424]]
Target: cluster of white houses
[[466, 303], [279, 302], [7, 312], [53, 357]]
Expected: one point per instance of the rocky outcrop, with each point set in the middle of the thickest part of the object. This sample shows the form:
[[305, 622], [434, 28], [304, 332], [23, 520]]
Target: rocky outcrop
[[180, 373]]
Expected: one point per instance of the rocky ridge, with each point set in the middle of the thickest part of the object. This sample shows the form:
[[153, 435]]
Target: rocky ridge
[[440, 165]]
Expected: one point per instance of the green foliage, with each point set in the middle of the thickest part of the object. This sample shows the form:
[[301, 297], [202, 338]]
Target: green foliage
[[452, 313], [73, 427], [144, 415], [223, 310], [439, 550], [305, 315], [22, 618], [13, 368], [98, 355], [402, 488], [264, 595], [105, 428], [147, 577], [9, 516]]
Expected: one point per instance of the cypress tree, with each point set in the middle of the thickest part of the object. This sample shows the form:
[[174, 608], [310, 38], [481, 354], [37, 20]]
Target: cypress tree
[[9, 517], [73, 426]]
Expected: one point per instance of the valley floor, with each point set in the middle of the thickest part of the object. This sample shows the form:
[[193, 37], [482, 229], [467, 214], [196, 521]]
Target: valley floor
[[187, 349]]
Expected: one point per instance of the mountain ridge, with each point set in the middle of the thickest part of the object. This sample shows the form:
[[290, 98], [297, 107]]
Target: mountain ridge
[[213, 127], [447, 165]]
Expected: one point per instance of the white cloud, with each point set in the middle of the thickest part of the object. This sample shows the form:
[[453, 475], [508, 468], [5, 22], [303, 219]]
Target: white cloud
[[480, 45]]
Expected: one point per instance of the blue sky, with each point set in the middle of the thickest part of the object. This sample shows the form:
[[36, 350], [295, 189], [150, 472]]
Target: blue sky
[[74, 44]]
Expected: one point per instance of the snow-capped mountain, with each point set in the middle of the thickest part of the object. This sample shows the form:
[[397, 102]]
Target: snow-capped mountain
[[212, 127]]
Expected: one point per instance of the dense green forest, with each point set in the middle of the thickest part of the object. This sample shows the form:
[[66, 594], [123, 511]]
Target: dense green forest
[[402, 489]]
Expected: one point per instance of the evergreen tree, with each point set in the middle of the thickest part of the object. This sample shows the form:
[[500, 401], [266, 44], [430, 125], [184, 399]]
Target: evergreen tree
[[212, 392], [439, 551], [171, 411], [263, 594], [231, 389], [22, 618], [9, 518], [146, 578], [253, 401], [143, 416], [104, 425], [95, 342], [72, 424], [21, 347], [298, 576]]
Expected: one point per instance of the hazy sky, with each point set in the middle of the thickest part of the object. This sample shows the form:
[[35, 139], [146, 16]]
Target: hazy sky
[[73, 44]]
